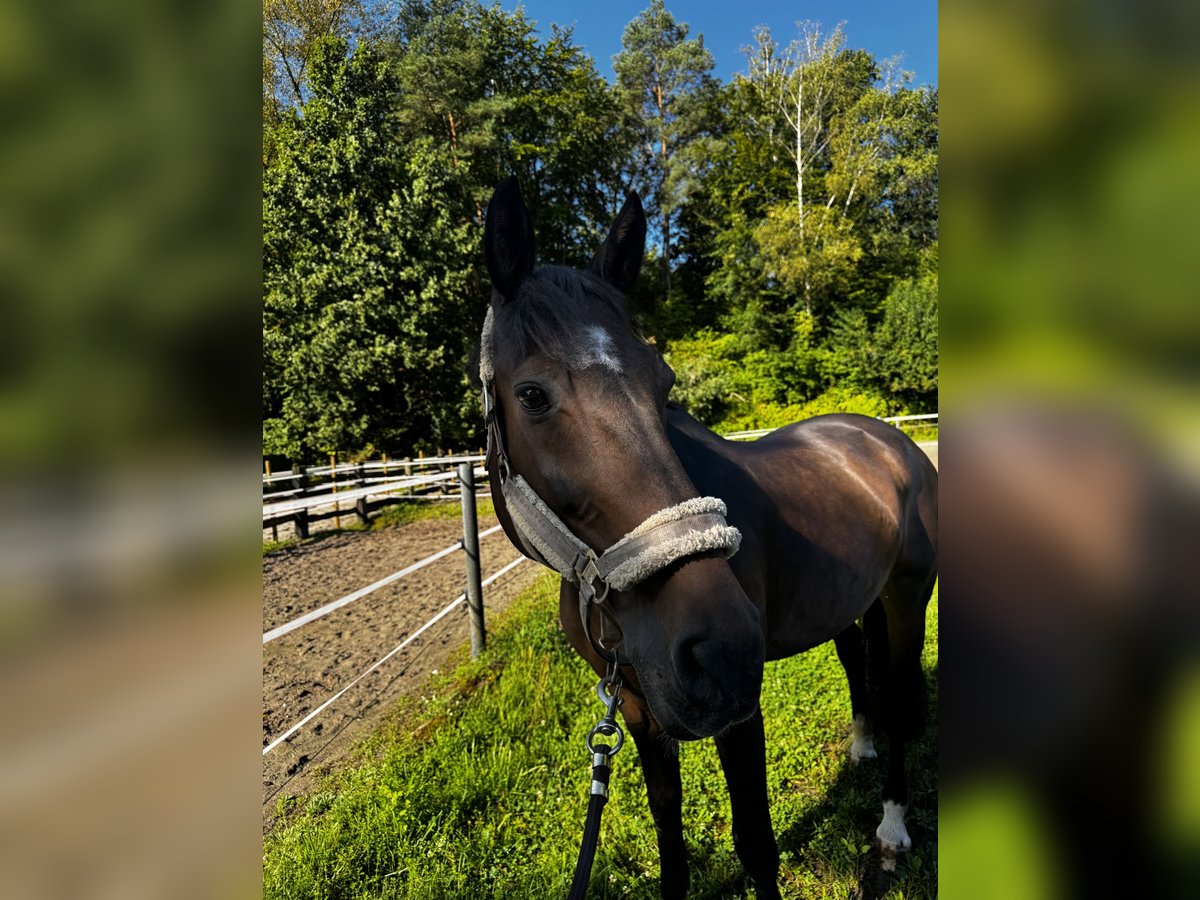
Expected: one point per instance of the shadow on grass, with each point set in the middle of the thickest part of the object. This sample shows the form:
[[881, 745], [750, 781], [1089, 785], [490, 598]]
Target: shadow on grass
[[828, 839]]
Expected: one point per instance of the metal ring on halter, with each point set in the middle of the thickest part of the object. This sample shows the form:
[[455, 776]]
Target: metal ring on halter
[[608, 728]]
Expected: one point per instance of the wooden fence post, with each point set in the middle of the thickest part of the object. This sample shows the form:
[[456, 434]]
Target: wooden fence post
[[360, 505], [337, 509], [300, 521], [274, 526], [466, 481]]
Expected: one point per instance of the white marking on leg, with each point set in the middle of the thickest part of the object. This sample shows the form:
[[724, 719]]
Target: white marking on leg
[[893, 836], [599, 349], [863, 746]]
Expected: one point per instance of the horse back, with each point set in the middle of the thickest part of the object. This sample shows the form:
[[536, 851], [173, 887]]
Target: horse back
[[829, 509], [863, 463]]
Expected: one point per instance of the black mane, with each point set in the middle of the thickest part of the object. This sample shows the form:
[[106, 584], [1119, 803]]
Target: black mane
[[548, 311]]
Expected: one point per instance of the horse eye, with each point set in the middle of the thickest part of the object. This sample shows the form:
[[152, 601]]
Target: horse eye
[[532, 398]]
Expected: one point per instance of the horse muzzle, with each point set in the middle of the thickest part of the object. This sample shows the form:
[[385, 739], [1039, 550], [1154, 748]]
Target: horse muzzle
[[697, 645]]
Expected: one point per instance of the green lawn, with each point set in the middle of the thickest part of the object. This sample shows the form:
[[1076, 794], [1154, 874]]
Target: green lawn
[[481, 789]]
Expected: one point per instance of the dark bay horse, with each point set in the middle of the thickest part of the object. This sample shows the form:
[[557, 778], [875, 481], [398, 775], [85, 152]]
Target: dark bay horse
[[837, 518]]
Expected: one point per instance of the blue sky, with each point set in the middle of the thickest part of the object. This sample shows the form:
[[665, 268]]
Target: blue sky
[[883, 28]]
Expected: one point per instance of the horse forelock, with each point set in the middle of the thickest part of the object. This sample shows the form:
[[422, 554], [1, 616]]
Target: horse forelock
[[562, 313]]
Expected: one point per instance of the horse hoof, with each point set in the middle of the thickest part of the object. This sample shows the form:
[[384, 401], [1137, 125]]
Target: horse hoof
[[892, 835]]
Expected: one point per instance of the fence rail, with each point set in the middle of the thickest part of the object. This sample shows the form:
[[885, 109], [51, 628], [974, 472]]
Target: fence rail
[[471, 598], [306, 500], [335, 605]]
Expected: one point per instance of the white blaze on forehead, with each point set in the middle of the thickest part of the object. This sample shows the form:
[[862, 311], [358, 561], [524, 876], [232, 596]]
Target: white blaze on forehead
[[598, 349], [594, 347]]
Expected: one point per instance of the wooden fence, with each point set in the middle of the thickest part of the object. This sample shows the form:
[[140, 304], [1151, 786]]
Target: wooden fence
[[305, 494]]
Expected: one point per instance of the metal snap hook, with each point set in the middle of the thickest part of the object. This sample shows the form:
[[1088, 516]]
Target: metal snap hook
[[607, 726]]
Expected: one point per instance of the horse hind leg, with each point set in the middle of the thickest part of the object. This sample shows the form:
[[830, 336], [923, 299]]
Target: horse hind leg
[[851, 651], [897, 623]]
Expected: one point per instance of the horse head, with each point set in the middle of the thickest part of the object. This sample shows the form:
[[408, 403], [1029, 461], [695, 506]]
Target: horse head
[[578, 402]]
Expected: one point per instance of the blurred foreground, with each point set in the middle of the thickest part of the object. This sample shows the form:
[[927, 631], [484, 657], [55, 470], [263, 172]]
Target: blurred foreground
[[129, 590], [1069, 385], [130, 259]]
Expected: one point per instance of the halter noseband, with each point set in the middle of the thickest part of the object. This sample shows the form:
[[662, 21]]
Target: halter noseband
[[694, 526]]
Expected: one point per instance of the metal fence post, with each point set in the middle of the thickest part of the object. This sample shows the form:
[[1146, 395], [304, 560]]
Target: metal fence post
[[466, 480]]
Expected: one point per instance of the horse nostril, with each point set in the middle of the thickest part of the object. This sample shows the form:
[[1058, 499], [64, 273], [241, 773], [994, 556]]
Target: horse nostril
[[687, 664], [710, 660]]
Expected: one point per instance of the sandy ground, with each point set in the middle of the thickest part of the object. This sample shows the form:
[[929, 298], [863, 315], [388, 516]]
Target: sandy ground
[[305, 667]]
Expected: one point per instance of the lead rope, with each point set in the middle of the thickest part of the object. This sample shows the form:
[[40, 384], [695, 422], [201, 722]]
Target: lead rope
[[609, 692]]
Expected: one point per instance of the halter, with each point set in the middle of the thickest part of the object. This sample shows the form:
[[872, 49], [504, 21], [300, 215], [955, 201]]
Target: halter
[[694, 526]]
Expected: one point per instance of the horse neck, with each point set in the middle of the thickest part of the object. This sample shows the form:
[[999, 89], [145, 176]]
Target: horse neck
[[707, 457]]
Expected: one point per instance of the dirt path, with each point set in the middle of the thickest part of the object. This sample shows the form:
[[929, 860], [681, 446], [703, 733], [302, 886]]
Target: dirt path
[[305, 667]]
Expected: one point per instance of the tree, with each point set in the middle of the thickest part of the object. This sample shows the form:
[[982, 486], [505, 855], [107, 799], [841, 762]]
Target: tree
[[291, 31], [665, 82], [898, 357], [366, 272], [501, 102], [373, 282], [908, 342], [809, 243]]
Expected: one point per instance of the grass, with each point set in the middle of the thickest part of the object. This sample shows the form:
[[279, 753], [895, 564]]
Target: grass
[[394, 516], [479, 788], [405, 513]]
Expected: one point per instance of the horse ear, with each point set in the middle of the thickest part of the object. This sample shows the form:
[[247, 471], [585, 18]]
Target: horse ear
[[508, 240], [619, 258]]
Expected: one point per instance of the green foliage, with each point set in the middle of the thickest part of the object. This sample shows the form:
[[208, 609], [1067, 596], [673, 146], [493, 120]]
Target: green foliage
[[275, 546], [898, 356], [834, 400], [793, 246], [480, 789], [372, 211], [908, 341], [666, 89], [405, 512], [721, 382]]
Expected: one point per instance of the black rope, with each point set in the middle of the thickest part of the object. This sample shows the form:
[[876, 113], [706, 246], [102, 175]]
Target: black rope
[[609, 692], [591, 832]]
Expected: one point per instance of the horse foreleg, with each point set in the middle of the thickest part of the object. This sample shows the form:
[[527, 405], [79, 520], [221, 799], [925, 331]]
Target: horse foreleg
[[743, 753], [664, 790]]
